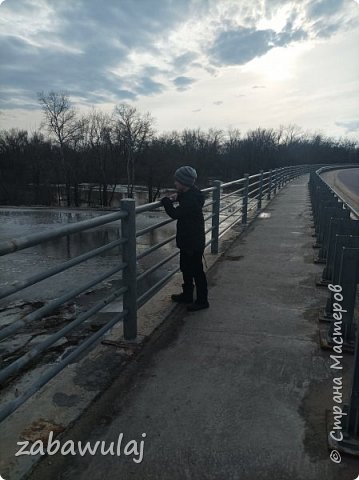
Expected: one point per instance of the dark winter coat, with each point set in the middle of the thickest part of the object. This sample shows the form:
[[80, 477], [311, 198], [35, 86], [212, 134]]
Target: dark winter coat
[[190, 222]]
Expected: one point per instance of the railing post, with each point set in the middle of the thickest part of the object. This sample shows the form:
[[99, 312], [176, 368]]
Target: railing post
[[275, 186], [260, 190], [245, 198], [270, 184], [278, 179], [348, 442], [281, 177], [128, 231], [216, 197], [353, 407]]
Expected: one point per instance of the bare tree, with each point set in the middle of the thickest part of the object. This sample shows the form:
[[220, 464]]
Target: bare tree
[[134, 130], [289, 134], [13, 166], [100, 140], [62, 123]]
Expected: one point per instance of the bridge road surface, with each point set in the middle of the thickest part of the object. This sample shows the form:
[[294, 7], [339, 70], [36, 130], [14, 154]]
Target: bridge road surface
[[346, 183], [238, 391]]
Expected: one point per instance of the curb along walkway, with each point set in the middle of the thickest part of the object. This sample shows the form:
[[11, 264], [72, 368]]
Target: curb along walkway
[[241, 391]]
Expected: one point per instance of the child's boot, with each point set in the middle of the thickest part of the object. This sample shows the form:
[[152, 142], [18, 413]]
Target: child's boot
[[186, 296]]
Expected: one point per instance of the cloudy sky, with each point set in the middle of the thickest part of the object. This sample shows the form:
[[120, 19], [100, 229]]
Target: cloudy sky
[[190, 63]]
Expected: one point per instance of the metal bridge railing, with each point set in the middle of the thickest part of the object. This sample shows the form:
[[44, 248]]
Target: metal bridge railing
[[226, 205], [336, 225]]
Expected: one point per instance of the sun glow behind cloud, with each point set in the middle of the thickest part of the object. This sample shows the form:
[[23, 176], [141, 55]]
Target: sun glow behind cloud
[[279, 64], [278, 21]]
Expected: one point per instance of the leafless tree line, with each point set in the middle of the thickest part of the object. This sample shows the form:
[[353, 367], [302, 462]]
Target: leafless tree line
[[104, 150]]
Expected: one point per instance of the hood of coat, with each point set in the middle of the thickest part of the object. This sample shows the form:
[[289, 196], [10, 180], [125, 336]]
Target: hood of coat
[[194, 192]]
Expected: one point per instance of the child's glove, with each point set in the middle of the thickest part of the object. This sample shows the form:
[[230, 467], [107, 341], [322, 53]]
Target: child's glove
[[173, 197]]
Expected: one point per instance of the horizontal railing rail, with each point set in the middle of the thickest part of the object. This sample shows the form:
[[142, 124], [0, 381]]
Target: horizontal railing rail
[[226, 204], [6, 291], [13, 245]]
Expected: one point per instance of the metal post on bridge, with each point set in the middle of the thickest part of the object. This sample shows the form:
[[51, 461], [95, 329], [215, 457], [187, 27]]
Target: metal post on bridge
[[275, 182], [216, 198], [340, 242], [128, 231], [270, 185], [260, 190], [280, 176], [337, 226], [245, 198], [347, 440], [353, 408], [347, 279], [291, 173]]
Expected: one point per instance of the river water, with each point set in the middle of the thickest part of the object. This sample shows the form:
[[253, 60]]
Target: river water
[[17, 222]]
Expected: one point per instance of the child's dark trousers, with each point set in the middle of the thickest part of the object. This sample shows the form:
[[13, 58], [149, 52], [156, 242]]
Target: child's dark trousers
[[192, 269]]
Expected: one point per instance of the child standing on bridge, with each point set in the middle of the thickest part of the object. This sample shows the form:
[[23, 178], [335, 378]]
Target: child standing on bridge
[[190, 237]]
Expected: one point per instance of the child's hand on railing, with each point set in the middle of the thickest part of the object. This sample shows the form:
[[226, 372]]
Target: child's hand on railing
[[173, 197]]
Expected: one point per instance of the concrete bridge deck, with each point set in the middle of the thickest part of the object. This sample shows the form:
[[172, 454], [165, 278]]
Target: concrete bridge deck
[[238, 391]]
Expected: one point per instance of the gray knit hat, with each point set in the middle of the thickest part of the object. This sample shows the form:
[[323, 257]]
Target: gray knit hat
[[186, 175]]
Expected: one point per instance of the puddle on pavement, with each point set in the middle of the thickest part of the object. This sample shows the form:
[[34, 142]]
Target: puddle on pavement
[[264, 215]]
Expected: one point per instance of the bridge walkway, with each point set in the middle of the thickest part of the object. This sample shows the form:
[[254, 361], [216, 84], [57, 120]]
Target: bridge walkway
[[238, 391]]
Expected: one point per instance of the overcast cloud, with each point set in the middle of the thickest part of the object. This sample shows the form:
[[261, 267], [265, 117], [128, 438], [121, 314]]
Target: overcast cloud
[[191, 63]]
